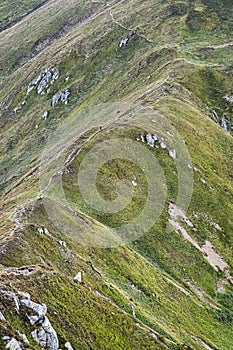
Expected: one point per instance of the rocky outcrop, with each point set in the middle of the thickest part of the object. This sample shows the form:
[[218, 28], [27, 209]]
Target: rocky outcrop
[[43, 80], [68, 346], [44, 334]]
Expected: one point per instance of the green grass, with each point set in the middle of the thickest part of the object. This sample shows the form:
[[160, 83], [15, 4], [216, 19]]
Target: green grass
[[174, 66]]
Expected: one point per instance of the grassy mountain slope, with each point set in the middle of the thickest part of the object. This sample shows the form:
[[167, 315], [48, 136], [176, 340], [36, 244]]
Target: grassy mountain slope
[[179, 63]]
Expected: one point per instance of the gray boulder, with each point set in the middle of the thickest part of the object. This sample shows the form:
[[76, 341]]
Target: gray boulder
[[68, 346], [224, 124], [2, 318], [46, 336], [13, 344], [150, 140], [55, 99], [63, 96]]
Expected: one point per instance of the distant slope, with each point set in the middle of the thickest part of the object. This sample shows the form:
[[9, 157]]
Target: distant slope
[[166, 289]]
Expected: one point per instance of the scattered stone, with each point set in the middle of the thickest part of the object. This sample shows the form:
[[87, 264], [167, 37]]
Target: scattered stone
[[176, 213], [15, 298], [24, 338], [203, 181], [44, 231], [64, 95], [16, 109], [45, 115], [24, 103], [123, 42], [47, 233], [2, 318], [214, 259], [132, 308], [169, 133], [142, 138], [214, 115], [150, 140], [154, 335], [163, 145], [134, 183], [172, 153], [5, 338], [68, 346], [62, 243], [229, 98], [224, 124], [78, 277], [55, 76]]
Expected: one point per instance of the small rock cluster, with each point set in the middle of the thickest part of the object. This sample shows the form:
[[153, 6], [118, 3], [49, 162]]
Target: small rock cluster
[[125, 40], [228, 97], [152, 139], [63, 96], [44, 334]]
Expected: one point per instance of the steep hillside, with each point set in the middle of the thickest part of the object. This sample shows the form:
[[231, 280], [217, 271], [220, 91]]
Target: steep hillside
[[116, 168]]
